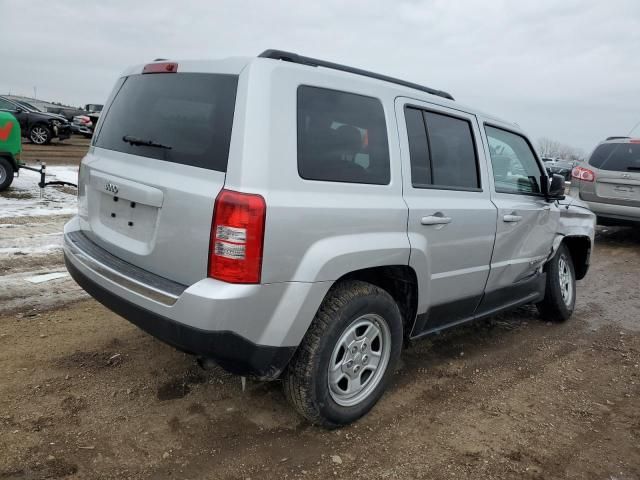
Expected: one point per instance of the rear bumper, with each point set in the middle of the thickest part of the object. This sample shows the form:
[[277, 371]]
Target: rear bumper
[[611, 214], [62, 132], [233, 352], [248, 329]]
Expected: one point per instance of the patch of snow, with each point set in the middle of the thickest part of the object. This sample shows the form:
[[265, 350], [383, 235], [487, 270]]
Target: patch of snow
[[23, 199], [6, 251], [47, 277]]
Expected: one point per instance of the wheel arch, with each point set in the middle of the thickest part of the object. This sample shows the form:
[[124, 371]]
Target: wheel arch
[[580, 250], [11, 159], [579, 247], [400, 281]]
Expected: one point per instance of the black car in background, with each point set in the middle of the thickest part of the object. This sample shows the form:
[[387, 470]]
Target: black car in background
[[560, 167], [37, 126]]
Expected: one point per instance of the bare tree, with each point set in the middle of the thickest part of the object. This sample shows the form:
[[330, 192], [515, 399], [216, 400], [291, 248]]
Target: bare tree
[[548, 147]]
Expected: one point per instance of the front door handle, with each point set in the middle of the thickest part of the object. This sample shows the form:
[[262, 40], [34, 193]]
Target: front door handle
[[512, 218], [436, 219]]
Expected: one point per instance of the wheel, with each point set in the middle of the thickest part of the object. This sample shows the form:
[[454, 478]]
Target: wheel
[[347, 357], [6, 174], [560, 293], [40, 134]]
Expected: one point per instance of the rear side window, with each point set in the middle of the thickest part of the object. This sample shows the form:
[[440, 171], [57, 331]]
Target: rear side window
[[342, 137], [191, 114], [515, 168], [618, 157], [6, 105], [442, 151]]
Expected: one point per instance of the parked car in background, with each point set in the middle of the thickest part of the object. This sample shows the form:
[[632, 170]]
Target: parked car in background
[[93, 111], [332, 215], [560, 167], [609, 181], [66, 112], [37, 126], [82, 125]]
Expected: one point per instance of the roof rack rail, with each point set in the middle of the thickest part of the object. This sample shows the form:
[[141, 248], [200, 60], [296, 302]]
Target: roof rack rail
[[615, 138], [314, 62]]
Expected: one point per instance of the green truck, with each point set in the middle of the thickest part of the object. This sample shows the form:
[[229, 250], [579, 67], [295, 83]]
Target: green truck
[[10, 148]]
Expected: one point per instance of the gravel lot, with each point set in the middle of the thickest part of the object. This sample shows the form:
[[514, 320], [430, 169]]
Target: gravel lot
[[84, 394]]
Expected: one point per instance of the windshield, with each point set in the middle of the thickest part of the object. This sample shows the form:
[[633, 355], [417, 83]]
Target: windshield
[[188, 114], [618, 157], [29, 107]]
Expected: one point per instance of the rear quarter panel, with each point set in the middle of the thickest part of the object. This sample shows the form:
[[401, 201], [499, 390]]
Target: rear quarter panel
[[315, 230]]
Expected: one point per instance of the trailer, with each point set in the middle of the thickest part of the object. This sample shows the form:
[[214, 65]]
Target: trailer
[[10, 149]]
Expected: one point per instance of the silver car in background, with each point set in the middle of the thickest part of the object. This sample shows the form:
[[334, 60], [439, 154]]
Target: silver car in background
[[609, 181]]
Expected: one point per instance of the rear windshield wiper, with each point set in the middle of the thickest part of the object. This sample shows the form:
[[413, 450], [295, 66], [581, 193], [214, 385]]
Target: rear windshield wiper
[[147, 143]]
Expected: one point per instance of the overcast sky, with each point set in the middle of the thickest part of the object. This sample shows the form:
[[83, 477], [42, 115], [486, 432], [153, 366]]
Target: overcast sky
[[564, 69]]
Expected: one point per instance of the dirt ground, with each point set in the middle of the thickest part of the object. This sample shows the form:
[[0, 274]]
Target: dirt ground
[[86, 395], [66, 152]]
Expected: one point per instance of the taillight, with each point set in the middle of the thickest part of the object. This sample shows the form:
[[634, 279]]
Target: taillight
[[237, 235], [164, 67], [584, 174]]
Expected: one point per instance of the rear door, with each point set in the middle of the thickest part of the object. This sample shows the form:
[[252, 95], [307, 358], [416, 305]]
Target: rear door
[[617, 179], [452, 222], [527, 223], [157, 163]]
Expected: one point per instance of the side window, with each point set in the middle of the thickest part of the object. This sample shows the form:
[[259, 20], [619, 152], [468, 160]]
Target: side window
[[342, 137], [5, 105], [515, 169], [442, 151], [418, 148]]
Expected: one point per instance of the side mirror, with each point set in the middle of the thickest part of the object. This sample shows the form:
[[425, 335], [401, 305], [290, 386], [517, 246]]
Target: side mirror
[[556, 188], [19, 110]]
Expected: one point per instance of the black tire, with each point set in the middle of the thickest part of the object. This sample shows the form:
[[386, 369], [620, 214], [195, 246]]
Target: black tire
[[554, 307], [306, 380], [40, 134], [6, 174]]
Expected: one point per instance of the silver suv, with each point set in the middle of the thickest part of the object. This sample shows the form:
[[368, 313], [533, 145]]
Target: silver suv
[[609, 182], [292, 218]]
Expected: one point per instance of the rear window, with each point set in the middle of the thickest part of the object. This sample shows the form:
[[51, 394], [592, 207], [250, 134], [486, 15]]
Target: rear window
[[619, 157], [342, 137], [191, 114]]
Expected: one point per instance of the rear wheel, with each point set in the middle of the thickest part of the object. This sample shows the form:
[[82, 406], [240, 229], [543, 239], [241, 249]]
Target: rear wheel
[[347, 357], [40, 134], [560, 293], [6, 174]]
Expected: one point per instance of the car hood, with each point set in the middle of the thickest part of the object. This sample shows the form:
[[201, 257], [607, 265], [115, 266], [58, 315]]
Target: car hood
[[48, 116]]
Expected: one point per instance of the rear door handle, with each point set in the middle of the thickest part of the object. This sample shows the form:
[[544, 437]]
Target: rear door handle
[[512, 218], [437, 219]]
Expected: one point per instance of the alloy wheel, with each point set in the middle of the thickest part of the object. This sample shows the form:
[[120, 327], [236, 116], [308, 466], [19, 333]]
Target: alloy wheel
[[359, 360], [39, 135], [566, 280]]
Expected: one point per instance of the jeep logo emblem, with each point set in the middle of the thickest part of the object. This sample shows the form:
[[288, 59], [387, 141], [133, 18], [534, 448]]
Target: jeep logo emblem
[[110, 187]]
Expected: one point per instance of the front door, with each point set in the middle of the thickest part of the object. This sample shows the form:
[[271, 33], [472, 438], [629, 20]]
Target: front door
[[452, 221], [526, 220]]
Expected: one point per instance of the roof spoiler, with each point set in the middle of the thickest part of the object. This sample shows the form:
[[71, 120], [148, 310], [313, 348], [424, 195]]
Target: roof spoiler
[[314, 62]]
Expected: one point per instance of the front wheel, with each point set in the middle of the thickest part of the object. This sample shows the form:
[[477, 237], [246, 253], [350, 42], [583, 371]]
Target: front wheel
[[347, 357], [560, 293], [40, 135]]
